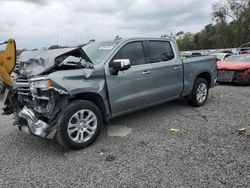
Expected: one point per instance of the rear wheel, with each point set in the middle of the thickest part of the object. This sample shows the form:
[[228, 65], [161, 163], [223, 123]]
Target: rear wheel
[[199, 93], [80, 125]]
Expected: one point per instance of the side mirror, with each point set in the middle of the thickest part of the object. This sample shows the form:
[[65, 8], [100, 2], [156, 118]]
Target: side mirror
[[120, 64]]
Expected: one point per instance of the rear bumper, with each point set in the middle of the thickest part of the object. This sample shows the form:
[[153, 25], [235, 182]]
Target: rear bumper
[[214, 82]]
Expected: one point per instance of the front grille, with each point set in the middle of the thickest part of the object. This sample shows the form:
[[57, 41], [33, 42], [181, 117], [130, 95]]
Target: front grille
[[16, 67], [23, 87], [23, 92]]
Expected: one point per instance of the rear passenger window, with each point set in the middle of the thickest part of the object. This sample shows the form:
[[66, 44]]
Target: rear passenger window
[[132, 51], [160, 51]]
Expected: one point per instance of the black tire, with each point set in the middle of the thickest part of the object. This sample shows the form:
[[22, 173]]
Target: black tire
[[62, 135], [194, 101], [3, 89], [1, 85]]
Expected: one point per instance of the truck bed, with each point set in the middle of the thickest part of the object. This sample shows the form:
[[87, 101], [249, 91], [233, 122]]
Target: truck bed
[[196, 65]]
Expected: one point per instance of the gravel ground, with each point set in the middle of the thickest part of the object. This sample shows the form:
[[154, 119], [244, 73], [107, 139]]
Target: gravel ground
[[206, 152]]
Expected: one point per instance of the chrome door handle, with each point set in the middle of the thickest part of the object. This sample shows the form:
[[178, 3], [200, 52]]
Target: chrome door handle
[[177, 67], [145, 72]]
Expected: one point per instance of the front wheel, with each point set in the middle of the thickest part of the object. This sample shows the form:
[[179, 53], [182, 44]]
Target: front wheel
[[199, 93], [80, 125]]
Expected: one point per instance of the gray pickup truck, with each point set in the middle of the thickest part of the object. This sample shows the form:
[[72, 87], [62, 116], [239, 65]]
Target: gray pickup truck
[[67, 94]]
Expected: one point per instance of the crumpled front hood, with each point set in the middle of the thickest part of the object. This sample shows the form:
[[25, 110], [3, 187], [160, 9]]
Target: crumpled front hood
[[33, 63], [233, 65]]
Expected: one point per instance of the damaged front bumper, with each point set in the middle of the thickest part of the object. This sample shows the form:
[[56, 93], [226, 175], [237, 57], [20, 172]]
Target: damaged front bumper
[[34, 126], [233, 76], [36, 111]]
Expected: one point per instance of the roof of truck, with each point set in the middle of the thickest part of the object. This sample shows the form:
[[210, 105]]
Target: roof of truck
[[140, 38]]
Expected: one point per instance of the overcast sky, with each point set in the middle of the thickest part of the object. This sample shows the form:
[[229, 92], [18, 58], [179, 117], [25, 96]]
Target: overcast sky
[[41, 23]]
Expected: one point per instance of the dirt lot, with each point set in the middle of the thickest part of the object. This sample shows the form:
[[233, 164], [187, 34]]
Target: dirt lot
[[206, 152]]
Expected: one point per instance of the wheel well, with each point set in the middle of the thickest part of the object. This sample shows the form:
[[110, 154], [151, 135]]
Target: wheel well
[[96, 99], [206, 76]]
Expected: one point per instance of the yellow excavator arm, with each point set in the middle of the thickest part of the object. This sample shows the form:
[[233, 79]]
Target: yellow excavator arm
[[8, 61]]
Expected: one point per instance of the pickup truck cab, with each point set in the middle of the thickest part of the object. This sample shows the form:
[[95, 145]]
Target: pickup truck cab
[[67, 94]]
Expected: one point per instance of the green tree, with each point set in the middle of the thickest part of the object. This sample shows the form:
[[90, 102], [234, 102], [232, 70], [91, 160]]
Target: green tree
[[230, 10], [185, 41], [231, 27]]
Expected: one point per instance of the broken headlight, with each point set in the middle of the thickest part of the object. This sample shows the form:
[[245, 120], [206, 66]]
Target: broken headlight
[[41, 84], [44, 84]]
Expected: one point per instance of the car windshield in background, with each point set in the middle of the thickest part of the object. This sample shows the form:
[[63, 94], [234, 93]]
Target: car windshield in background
[[219, 56], [238, 59], [97, 51]]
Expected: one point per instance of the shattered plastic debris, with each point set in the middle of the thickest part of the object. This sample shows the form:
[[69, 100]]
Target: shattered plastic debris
[[142, 143], [110, 158], [174, 130], [242, 131]]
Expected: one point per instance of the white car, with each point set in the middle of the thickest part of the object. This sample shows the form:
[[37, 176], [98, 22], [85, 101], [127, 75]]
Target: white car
[[221, 56]]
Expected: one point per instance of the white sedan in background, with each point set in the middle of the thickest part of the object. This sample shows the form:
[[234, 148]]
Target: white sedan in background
[[221, 56]]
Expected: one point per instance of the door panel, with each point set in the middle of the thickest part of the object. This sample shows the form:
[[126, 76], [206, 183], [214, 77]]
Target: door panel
[[166, 72], [167, 81], [129, 90]]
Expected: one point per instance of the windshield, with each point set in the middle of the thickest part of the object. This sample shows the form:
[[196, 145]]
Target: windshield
[[238, 59], [97, 51]]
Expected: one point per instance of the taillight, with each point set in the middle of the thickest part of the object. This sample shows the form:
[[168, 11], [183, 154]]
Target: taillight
[[217, 63], [244, 74]]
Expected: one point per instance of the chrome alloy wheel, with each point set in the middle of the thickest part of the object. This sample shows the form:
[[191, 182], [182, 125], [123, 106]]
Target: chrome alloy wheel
[[201, 93], [82, 126]]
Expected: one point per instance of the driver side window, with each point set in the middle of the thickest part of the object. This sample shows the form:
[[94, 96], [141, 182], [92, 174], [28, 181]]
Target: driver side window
[[132, 51]]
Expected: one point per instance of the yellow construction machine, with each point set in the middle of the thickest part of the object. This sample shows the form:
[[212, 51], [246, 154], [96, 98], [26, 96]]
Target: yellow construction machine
[[7, 63]]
